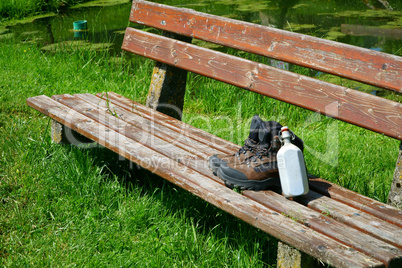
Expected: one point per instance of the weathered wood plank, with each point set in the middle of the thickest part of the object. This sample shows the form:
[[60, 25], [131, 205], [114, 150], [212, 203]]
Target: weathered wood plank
[[371, 67], [358, 201], [368, 205], [169, 122], [321, 222], [352, 106], [353, 217], [147, 128], [194, 157], [141, 134], [289, 231]]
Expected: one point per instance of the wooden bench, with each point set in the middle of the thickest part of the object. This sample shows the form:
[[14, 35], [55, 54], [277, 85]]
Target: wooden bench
[[330, 223]]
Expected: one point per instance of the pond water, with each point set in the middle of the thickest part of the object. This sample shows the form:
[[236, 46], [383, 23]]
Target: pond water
[[367, 24]]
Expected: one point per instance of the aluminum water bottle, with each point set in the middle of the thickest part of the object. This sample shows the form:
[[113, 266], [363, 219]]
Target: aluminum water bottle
[[292, 168]]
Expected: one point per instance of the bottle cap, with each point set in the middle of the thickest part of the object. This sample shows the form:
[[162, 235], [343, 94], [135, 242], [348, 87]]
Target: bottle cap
[[285, 133]]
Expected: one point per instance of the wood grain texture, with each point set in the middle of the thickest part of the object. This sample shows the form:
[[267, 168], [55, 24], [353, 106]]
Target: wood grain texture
[[333, 224], [368, 66], [354, 217], [358, 201], [352, 106], [270, 221], [169, 122], [321, 222], [172, 147], [147, 128]]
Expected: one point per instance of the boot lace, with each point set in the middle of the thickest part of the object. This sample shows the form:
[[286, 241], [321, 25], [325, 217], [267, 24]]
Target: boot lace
[[259, 154], [249, 145], [264, 150]]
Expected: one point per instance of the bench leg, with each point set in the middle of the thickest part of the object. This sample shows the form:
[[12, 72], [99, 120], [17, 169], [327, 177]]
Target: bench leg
[[168, 86], [395, 194], [62, 134], [290, 257]]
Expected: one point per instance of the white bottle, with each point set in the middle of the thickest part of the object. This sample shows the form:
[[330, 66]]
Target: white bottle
[[292, 168]]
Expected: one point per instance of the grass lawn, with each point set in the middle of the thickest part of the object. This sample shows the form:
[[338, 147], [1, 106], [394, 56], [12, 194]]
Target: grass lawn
[[14, 9], [67, 206]]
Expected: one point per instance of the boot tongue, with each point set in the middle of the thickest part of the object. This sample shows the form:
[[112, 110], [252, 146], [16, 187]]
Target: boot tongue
[[256, 123], [268, 130], [274, 127]]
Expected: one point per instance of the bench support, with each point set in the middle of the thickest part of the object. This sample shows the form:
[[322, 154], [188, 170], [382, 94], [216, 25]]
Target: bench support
[[290, 257], [168, 85], [395, 194], [62, 134]]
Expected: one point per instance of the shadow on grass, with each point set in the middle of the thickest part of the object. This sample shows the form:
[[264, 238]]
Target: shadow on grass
[[209, 220]]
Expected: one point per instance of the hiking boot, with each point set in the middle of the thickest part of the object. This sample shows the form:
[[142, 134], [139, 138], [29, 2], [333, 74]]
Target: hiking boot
[[258, 172], [261, 132], [248, 149]]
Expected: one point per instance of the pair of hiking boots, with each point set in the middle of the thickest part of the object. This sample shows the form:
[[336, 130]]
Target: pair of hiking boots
[[254, 166]]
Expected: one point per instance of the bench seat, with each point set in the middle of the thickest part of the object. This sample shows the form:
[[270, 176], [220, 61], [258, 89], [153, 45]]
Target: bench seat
[[331, 223]]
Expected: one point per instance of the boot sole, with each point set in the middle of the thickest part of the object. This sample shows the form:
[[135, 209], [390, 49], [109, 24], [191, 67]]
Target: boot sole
[[249, 184], [213, 168]]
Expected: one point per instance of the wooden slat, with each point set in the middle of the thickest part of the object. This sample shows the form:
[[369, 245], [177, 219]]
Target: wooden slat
[[146, 129], [169, 122], [289, 231], [362, 109], [320, 222], [141, 133], [368, 66], [358, 201], [354, 217], [184, 154], [86, 103]]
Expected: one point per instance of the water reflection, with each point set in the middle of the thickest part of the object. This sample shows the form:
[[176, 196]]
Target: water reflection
[[369, 24], [105, 25], [279, 19]]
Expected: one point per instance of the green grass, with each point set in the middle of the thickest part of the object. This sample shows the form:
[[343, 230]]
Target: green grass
[[16, 9], [65, 206]]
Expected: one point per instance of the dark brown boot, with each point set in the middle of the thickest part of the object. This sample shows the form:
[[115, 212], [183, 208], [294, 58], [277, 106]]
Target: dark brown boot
[[258, 172]]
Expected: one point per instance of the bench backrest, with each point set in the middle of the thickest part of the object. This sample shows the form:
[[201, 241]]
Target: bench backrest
[[349, 105]]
